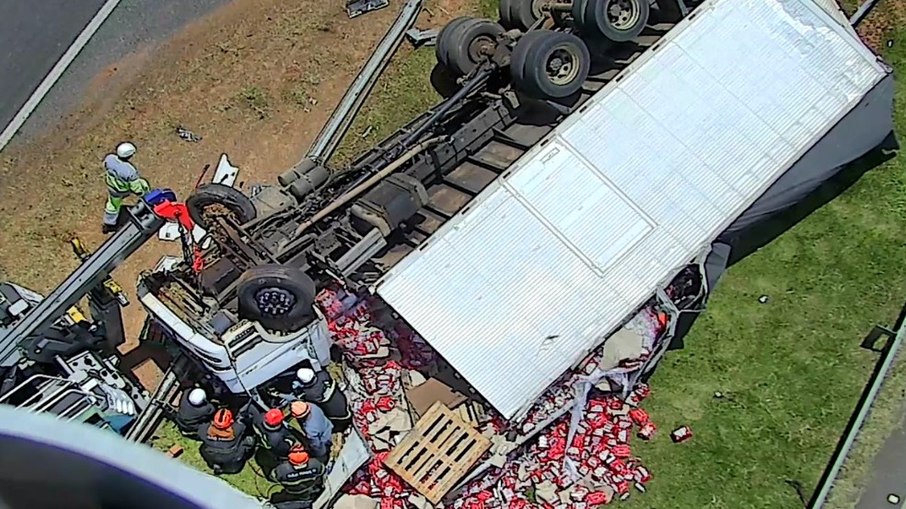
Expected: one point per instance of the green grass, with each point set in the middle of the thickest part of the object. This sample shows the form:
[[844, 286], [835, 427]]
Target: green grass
[[247, 480], [401, 94], [792, 369]]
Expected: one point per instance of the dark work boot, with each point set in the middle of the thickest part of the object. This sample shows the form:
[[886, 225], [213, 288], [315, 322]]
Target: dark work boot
[[108, 228]]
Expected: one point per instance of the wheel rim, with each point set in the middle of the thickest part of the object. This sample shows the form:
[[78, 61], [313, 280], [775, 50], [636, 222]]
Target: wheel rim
[[562, 65], [537, 8], [274, 301], [623, 14], [479, 47]]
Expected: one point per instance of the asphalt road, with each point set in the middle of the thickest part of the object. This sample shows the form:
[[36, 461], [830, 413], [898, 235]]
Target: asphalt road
[[35, 33], [33, 36], [888, 475]]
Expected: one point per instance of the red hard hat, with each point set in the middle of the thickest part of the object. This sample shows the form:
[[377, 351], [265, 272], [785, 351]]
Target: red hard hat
[[298, 456], [223, 418], [273, 417]]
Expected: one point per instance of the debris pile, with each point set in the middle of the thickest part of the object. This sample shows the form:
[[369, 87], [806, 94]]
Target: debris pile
[[375, 389], [593, 468], [377, 481], [570, 449]]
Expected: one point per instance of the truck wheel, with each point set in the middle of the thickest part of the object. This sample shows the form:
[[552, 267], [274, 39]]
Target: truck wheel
[[442, 43], [278, 297], [578, 11], [517, 69], [443, 81], [553, 65], [520, 14], [212, 199], [616, 20], [469, 43]]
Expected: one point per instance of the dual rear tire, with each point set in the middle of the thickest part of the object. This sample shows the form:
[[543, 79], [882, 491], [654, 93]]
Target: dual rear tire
[[614, 20], [549, 65]]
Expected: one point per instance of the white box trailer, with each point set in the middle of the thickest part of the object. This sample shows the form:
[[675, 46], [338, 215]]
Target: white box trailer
[[740, 110]]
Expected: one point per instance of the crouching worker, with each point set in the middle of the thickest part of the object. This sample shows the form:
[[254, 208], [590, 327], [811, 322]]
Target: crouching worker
[[316, 427], [302, 478], [194, 410], [224, 446], [275, 440]]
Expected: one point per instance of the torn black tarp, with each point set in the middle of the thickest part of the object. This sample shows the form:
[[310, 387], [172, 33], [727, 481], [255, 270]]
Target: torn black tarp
[[859, 142]]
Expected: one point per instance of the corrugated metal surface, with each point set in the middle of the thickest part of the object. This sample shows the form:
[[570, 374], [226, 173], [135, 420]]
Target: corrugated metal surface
[[551, 258]]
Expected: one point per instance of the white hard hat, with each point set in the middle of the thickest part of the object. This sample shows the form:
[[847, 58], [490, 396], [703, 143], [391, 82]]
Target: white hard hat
[[125, 150], [305, 375], [197, 396]]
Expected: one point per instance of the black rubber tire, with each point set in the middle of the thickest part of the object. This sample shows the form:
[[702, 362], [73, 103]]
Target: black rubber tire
[[519, 14], [578, 11], [442, 43], [278, 282], [461, 43], [233, 199], [596, 20], [531, 57], [517, 69], [444, 81]]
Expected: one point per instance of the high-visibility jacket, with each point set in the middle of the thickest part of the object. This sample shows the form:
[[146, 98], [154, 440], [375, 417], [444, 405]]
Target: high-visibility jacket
[[122, 178]]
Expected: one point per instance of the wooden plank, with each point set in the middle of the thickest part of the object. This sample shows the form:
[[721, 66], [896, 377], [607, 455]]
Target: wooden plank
[[437, 453]]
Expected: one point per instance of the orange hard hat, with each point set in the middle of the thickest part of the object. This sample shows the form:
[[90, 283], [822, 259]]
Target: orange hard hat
[[299, 409], [223, 418], [273, 417], [297, 455]]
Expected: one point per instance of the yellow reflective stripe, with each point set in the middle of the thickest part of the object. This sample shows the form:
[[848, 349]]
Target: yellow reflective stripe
[[117, 184]]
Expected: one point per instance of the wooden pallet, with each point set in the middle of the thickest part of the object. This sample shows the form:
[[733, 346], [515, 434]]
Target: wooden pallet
[[438, 452]]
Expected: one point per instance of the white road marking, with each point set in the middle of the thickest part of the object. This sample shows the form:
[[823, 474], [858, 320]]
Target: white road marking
[[29, 107]]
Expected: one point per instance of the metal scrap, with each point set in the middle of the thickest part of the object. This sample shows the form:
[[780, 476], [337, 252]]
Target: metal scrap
[[187, 135], [419, 38]]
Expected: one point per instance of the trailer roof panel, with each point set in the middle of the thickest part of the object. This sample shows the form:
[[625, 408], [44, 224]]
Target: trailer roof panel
[[585, 227]]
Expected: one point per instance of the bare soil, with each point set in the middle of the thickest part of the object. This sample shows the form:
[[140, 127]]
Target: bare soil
[[256, 79], [878, 28]]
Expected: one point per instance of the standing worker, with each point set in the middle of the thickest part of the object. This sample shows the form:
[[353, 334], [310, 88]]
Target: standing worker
[[316, 426], [224, 446], [194, 410], [302, 479], [319, 388], [122, 180]]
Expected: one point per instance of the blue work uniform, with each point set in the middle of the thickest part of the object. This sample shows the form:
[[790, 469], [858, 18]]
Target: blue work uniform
[[318, 430], [122, 180]]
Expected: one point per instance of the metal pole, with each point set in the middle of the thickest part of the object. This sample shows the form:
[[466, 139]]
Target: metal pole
[[862, 12], [865, 403], [329, 138]]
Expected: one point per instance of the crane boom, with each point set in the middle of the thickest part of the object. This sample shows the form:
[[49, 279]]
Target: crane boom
[[143, 222]]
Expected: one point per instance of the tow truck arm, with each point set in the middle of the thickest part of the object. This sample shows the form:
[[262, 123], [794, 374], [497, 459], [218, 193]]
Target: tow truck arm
[[143, 221]]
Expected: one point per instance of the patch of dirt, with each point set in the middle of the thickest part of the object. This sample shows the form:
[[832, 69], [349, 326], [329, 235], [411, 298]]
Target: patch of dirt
[[256, 79], [877, 29]]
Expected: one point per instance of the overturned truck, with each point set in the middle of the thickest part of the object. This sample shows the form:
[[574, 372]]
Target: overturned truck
[[590, 158]]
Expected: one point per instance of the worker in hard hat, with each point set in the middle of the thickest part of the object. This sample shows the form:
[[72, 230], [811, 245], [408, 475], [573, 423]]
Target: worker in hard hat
[[194, 410], [319, 388], [122, 180], [224, 445], [301, 476], [274, 439], [315, 425]]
